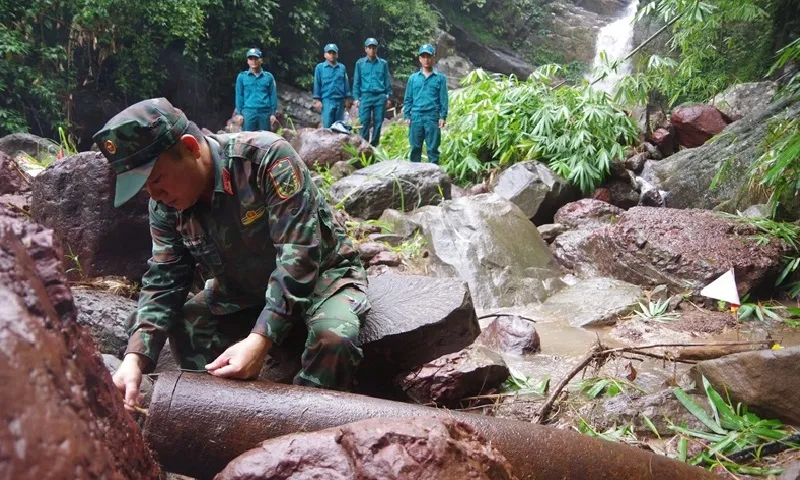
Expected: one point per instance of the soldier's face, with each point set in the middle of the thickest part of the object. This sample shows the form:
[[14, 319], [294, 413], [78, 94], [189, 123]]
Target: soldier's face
[[372, 51], [254, 62], [177, 179], [426, 60], [331, 56]]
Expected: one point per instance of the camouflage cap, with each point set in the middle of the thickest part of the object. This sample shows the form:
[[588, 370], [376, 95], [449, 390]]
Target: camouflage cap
[[134, 138]]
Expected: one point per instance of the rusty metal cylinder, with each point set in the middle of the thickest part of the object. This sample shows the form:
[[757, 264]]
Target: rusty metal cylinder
[[198, 423]]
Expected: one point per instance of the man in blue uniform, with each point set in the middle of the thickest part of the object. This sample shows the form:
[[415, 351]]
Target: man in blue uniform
[[372, 87], [256, 94], [331, 87], [425, 106]]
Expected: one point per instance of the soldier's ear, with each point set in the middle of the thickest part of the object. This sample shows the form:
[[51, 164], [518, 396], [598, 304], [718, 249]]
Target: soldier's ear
[[191, 145]]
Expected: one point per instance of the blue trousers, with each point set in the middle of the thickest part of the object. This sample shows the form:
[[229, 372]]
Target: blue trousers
[[332, 111], [256, 119], [425, 128], [371, 111]]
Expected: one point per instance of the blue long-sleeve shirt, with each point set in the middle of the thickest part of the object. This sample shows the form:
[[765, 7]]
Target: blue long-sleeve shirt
[[426, 96], [256, 91], [331, 82], [371, 76]]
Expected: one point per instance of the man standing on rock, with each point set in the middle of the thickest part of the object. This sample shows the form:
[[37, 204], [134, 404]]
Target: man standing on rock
[[372, 88], [256, 95], [331, 87], [425, 106], [242, 207]]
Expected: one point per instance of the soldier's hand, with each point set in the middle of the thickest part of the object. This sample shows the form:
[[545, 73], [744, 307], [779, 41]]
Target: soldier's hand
[[128, 378], [242, 360], [318, 105], [388, 103], [357, 103], [442, 123], [273, 120]]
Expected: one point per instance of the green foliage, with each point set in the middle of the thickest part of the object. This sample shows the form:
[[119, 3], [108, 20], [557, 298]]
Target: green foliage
[[496, 121], [517, 382], [758, 310], [656, 312], [732, 429], [605, 386], [394, 143], [777, 170], [624, 433]]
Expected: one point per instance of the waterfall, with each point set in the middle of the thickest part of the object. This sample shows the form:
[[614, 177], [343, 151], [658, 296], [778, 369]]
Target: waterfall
[[616, 39]]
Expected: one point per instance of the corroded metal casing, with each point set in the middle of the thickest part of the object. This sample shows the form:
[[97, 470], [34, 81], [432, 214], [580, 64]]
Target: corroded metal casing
[[198, 423]]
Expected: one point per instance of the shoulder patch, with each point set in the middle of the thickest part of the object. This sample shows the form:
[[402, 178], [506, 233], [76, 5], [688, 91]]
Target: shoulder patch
[[285, 178]]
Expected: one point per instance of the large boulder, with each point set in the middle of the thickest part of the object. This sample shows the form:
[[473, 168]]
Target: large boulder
[[392, 184], [767, 381], [488, 242], [454, 67], [510, 334], [535, 189], [375, 449], [488, 58], [13, 180], [39, 148], [587, 213], [695, 124], [103, 315], [324, 147], [298, 105], [744, 99], [414, 320], [684, 249], [75, 197], [63, 416], [592, 302], [687, 176], [445, 381]]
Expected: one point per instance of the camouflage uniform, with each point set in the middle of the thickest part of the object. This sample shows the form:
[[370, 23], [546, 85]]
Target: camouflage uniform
[[269, 247]]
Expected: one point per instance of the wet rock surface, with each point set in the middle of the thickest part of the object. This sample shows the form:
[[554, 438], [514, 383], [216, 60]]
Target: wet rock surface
[[75, 197], [445, 381], [391, 184], [415, 320], [684, 249], [592, 302], [324, 147], [13, 180], [568, 251], [375, 449], [488, 242], [64, 418], [587, 213], [696, 124], [688, 174], [367, 250], [745, 98], [550, 231], [298, 105], [36, 147], [535, 189], [103, 315], [767, 381], [510, 334]]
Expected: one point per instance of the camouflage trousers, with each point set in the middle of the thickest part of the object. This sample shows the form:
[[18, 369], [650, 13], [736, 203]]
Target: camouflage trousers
[[331, 353]]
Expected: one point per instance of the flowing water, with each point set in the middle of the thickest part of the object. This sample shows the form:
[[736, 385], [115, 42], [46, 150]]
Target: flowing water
[[616, 39]]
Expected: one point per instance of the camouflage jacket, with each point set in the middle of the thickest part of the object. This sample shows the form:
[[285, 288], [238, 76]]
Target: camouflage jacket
[[268, 238]]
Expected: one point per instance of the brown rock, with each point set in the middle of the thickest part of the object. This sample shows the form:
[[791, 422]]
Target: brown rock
[[367, 250], [477, 189], [13, 180], [75, 197], [603, 194], [695, 124], [510, 334], [326, 147], [63, 416], [375, 449], [766, 381], [684, 249], [386, 258], [636, 162], [623, 195], [587, 213], [664, 140], [446, 380]]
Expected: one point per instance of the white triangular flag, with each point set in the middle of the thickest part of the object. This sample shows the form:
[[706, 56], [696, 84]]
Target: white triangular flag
[[723, 288]]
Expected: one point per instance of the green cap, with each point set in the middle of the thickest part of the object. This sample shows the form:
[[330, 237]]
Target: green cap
[[134, 138], [427, 48]]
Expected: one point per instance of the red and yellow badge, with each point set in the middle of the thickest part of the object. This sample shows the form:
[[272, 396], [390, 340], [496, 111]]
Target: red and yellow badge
[[285, 178], [110, 147], [251, 216]]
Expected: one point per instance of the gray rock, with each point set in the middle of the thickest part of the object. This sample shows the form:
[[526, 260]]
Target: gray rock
[[454, 67], [510, 334], [688, 174], [39, 148], [660, 408], [568, 250], [623, 194], [444, 42], [13, 180], [104, 315], [792, 472], [492, 59], [488, 242], [367, 250], [535, 189], [587, 213], [684, 249], [744, 99], [550, 231], [387, 238], [75, 197], [298, 105], [448, 379], [414, 320], [767, 381], [391, 184], [342, 169], [592, 302], [636, 162], [757, 211], [325, 147]]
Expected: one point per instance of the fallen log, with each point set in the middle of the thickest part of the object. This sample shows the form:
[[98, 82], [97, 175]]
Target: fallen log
[[198, 423]]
